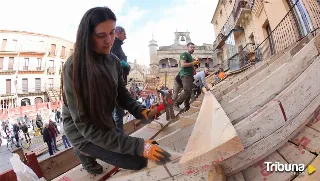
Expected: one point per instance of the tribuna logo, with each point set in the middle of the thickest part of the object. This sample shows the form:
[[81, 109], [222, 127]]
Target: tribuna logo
[[279, 167]]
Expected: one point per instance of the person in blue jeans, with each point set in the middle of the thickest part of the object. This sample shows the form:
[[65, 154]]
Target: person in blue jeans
[[120, 36], [64, 137]]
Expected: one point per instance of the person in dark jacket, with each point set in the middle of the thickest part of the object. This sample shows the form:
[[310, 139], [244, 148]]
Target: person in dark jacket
[[58, 115], [47, 138], [117, 50], [16, 129], [92, 85], [24, 129], [53, 132]]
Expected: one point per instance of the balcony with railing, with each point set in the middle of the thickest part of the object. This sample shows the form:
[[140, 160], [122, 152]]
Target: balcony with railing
[[242, 11], [285, 34], [31, 69], [225, 31], [246, 56], [31, 90]]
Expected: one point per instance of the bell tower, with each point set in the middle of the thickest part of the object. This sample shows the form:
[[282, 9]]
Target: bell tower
[[154, 62], [181, 36]]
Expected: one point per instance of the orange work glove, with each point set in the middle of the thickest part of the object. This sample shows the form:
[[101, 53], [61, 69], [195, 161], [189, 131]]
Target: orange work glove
[[148, 115], [154, 153], [196, 62]]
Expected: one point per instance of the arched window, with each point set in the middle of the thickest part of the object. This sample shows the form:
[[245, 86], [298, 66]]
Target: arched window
[[25, 102]]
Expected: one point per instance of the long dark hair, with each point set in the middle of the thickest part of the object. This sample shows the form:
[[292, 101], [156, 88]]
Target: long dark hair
[[94, 86]]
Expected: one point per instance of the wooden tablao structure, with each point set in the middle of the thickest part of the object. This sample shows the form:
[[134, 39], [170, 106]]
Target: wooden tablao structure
[[266, 112]]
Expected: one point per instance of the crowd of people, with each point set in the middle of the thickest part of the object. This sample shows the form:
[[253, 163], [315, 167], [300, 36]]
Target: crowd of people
[[49, 129]]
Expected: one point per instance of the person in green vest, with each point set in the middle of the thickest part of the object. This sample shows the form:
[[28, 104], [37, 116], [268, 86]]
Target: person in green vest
[[186, 75]]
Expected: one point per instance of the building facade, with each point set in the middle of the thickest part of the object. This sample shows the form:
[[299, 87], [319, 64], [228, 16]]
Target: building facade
[[251, 30], [137, 75], [30, 66], [164, 61]]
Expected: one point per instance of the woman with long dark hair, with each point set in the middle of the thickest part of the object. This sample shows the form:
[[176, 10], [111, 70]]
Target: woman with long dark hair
[[92, 85]]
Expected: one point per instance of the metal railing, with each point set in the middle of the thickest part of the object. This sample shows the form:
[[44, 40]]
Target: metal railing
[[25, 90], [290, 30], [244, 57], [30, 68], [240, 4], [225, 30]]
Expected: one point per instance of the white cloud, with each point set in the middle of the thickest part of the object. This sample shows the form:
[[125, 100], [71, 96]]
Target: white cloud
[[192, 15], [61, 18]]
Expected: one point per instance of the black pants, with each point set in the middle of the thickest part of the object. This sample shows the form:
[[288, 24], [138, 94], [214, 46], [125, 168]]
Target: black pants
[[49, 144], [25, 135], [124, 161]]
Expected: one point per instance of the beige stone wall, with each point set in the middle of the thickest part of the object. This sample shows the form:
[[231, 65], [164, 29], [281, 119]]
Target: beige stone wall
[[272, 13], [222, 14]]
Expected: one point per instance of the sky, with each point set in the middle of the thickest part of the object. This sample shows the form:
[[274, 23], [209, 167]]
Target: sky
[[142, 19]]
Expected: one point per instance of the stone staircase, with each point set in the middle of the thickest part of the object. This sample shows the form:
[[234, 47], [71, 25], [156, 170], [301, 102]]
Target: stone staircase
[[53, 94]]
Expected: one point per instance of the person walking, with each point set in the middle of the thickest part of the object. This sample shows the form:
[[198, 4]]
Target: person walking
[[53, 132], [92, 86], [24, 129], [64, 137], [186, 74], [47, 138]]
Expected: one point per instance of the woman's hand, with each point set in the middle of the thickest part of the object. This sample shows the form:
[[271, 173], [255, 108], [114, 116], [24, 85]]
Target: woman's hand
[[154, 153]]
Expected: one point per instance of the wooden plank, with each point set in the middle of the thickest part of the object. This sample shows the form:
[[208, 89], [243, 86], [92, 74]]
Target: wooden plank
[[284, 107], [258, 171], [218, 134], [257, 78], [308, 139], [56, 159], [236, 177], [315, 124], [58, 164], [269, 144], [171, 128], [217, 174], [234, 81], [149, 131], [153, 174], [314, 176], [80, 174], [191, 111], [174, 157], [294, 154], [271, 85], [196, 103], [185, 121]]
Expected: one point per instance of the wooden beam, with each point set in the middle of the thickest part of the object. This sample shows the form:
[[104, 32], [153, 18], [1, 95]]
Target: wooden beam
[[308, 139], [79, 174], [262, 74], [314, 176], [283, 108], [258, 171], [294, 154], [217, 174], [236, 177], [58, 164], [271, 85], [213, 138], [269, 144]]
